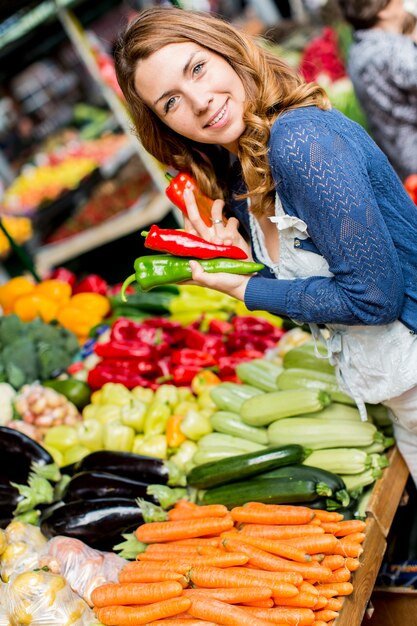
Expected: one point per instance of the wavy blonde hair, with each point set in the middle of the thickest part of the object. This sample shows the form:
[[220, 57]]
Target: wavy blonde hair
[[271, 86]]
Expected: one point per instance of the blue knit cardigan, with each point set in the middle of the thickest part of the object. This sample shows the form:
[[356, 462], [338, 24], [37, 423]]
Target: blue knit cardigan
[[330, 173]]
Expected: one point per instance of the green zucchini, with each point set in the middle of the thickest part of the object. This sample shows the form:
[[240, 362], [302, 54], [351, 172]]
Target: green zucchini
[[298, 378], [268, 491], [231, 424], [304, 356], [221, 440], [327, 484], [231, 396], [244, 465], [276, 405], [338, 411], [259, 373]]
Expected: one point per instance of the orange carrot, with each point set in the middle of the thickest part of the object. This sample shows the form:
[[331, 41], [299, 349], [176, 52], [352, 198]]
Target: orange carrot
[[352, 564], [279, 548], [347, 527], [333, 561], [334, 604], [346, 548], [150, 576], [342, 589], [317, 557], [169, 547], [326, 615], [284, 577], [330, 527], [319, 622], [210, 510], [186, 621], [288, 615], [315, 522], [308, 587], [195, 541], [259, 513], [169, 554], [327, 592], [322, 603], [264, 560], [131, 616], [328, 516], [266, 531], [223, 613], [155, 532], [232, 595], [134, 593], [341, 575], [355, 537], [215, 577], [261, 604], [316, 544], [303, 599]]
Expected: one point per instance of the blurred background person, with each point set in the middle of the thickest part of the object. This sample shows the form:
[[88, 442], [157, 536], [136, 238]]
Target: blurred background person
[[383, 67]]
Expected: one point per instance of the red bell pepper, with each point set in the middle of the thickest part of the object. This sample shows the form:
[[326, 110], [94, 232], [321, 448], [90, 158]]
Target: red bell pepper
[[219, 327], [250, 341], [126, 349], [175, 191], [183, 375], [213, 344], [189, 357], [227, 364], [93, 283], [138, 366], [61, 273], [100, 375], [180, 243]]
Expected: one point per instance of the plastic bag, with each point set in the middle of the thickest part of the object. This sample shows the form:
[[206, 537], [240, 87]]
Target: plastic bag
[[24, 544], [84, 568], [39, 598]]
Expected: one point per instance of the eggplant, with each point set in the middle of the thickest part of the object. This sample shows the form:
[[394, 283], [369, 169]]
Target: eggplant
[[145, 469], [9, 496], [17, 454], [99, 523], [94, 484]]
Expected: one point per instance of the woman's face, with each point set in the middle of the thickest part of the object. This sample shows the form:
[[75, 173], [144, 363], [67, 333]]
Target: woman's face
[[195, 92]]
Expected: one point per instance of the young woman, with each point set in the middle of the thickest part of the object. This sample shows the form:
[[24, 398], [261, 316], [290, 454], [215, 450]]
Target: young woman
[[308, 189]]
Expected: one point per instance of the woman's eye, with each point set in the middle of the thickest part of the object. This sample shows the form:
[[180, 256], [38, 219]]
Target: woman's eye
[[169, 104], [197, 69]]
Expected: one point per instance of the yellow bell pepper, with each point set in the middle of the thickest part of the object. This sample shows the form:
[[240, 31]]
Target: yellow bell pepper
[[94, 303], [13, 289], [78, 320], [56, 290], [33, 305]]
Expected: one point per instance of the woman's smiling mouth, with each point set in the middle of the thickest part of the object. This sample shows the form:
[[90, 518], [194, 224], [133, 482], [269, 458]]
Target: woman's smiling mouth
[[219, 116]]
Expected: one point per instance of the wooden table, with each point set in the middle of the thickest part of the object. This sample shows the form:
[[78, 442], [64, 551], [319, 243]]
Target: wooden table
[[386, 497]]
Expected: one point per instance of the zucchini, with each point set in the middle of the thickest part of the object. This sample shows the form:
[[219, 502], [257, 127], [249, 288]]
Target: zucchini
[[316, 433], [340, 460], [259, 373], [220, 440], [298, 378], [276, 405], [327, 483], [355, 483], [304, 356], [231, 424], [231, 396], [211, 455], [338, 411], [243, 465], [268, 491]]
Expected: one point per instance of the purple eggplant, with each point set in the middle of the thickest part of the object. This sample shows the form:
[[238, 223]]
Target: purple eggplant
[[94, 484], [18, 453]]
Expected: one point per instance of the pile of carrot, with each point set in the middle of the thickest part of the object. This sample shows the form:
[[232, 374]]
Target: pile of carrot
[[256, 565]]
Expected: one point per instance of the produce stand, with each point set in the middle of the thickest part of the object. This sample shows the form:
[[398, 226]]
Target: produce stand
[[386, 497]]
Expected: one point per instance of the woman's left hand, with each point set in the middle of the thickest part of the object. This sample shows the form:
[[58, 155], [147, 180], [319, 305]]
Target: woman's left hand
[[232, 284]]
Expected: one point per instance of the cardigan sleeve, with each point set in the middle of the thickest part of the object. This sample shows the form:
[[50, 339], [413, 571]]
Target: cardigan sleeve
[[322, 177]]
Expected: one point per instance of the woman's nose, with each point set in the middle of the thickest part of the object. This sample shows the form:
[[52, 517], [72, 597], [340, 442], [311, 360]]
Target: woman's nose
[[201, 102]]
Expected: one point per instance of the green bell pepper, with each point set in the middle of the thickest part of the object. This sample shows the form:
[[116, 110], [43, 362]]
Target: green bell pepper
[[162, 269]]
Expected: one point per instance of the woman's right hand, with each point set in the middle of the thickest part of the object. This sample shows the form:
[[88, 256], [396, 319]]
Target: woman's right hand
[[222, 231]]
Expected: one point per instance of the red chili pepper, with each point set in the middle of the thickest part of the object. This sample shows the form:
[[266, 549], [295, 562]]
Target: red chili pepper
[[212, 344], [61, 273], [198, 358], [126, 349], [180, 243], [248, 323], [250, 341], [100, 375], [93, 283], [175, 191]]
